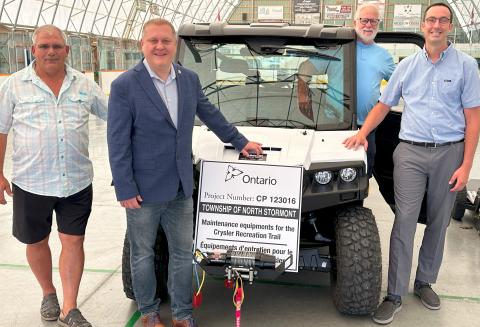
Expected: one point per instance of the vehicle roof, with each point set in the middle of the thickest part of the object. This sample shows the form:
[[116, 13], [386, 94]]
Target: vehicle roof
[[313, 31]]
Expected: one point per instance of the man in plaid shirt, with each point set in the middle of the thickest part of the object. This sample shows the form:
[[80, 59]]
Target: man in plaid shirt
[[47, 107]]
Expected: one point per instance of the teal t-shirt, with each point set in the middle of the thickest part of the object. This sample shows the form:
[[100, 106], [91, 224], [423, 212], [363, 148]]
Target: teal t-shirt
[[374, 64]]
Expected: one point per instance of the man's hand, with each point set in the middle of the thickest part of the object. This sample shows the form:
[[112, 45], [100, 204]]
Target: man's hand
[[252, 147], [355, 141], [459, 179], [4, 187], [133, 203]]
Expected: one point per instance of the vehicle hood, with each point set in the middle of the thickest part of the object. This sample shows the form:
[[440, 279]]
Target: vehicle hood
[[283, 146]]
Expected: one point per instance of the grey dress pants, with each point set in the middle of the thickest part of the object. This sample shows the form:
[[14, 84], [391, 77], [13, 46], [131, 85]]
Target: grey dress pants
[[418, 169]]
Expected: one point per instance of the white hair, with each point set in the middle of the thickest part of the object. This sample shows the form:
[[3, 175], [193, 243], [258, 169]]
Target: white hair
[[365, 6], [48, 28]]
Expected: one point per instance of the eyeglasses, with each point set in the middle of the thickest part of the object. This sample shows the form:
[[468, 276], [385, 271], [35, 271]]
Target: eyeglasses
[[433, 20], [365, 21]]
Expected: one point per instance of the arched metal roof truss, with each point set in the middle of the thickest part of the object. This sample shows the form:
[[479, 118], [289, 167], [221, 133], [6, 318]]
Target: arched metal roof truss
[[109, 18]]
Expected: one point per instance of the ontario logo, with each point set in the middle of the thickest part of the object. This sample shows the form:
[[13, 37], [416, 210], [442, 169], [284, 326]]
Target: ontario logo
[[232, 172]]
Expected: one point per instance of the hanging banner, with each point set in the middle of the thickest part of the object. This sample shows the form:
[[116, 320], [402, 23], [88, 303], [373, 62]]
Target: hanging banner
[[407, 18], [250, 207], [338, 12], [306, 6]]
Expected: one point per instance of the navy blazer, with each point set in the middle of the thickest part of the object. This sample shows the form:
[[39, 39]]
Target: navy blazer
[[148, 155]]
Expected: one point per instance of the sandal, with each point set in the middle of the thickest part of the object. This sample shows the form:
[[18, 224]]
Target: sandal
[[73, 319], [50, 310]]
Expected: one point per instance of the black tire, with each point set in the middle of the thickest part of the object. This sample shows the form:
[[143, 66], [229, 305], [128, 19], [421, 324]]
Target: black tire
[[161, 267], [458, 210], [357, 262]]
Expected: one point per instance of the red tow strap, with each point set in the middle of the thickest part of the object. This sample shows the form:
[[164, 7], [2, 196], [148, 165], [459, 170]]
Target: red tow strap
[[238, 306], [238, 297]]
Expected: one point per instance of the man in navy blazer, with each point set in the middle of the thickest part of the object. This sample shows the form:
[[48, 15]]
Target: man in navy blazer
[[152, 108]]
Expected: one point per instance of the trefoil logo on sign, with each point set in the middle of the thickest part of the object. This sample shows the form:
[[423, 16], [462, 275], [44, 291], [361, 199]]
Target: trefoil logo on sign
[[232, 172]]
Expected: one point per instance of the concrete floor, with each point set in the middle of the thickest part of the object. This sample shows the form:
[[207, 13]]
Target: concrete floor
[[295, 300]]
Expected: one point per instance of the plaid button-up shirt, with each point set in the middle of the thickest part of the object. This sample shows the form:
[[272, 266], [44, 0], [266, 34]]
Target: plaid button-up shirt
[[50, 134]]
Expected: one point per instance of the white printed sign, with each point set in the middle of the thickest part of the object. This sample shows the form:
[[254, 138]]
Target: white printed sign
[[407, 18], [338, 12], [270, 13], [250, 207], [307, 18]]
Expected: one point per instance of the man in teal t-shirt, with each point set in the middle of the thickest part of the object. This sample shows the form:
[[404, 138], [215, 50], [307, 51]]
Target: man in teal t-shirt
[[374, 64]]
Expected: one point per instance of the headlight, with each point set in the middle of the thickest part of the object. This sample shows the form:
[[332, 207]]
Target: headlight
[[348, 174], [323, 177]]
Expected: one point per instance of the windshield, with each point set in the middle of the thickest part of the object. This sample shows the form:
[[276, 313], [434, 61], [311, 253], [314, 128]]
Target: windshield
[[259, 82]]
